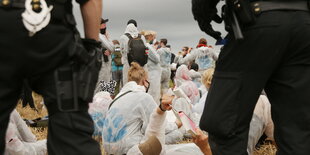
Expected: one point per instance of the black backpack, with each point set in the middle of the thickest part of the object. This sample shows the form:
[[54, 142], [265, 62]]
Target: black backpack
[[137, 50]]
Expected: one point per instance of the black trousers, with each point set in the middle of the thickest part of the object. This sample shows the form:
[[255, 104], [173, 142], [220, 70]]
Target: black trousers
[[36, 58], [275, 56]]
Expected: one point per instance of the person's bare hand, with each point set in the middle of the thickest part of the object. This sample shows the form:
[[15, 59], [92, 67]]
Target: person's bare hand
[[166, 102], [107, 53], [178, 123], [201, 140]]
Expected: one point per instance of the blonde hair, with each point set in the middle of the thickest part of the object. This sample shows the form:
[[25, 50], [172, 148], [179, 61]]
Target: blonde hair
[[136, 73], [207, 77], [148, 33]]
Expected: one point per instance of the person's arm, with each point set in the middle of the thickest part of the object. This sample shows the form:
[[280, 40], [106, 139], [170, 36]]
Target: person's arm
[[91, 13], [152, 55], [201, 140], [106, 43], [188, 58]]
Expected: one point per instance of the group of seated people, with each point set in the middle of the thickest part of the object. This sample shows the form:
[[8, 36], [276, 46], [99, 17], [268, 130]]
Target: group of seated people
[[133, 123]]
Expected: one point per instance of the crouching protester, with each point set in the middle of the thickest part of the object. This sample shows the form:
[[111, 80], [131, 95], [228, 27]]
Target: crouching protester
[[39, 42]]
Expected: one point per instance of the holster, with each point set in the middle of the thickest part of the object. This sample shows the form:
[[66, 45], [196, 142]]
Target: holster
[[237, 14], [76, 80]]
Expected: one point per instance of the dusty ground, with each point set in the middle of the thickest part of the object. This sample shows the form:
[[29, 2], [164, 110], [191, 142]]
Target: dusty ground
[[41, 133]]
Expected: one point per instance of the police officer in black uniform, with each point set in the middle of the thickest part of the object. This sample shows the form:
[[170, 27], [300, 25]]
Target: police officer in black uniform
[[50, 59], [271, 52]]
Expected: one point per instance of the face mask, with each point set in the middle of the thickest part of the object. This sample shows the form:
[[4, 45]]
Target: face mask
[[147, 87], [102, 31]]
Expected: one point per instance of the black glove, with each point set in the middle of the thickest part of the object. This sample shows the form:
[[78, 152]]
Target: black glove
[[204, 12], [92, 47], [91, 44]]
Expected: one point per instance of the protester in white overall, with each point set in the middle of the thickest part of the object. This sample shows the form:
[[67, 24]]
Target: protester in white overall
[[261, 121], [153, 65], [203, 56], [128, 117], [20, 140], [156, 128], [133, 31], [165, 61], [105, 73]]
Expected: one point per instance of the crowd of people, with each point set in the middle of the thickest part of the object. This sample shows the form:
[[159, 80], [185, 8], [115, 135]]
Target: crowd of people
[[131, 99], [133, 118]]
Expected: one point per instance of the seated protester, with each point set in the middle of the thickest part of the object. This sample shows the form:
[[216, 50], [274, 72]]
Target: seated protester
[[98, 109], [261, 121], [206, 81], [20, 140], [195, 75], [191, 91], [183, 78], [154, 140], [129, 113]]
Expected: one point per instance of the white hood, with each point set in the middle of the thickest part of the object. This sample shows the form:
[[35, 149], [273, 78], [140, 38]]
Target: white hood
[[132, 30]]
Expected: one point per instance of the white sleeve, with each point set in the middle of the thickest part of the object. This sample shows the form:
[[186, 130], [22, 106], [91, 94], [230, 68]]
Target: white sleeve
[[124, 44], [189, 57], [22, 128], [106, 43], [146, 110], [156, 126], [152, 55]]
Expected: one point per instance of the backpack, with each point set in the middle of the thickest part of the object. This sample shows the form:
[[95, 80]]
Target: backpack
[[137, 50], [117, 58]]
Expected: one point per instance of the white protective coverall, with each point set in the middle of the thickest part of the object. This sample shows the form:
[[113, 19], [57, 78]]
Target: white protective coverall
[[165, 61], [203, 57], [196, 77], [154, 73], [20, 140], [261, 123], [133, 31], [127, 119], [105, 73], [261, 120], [98, 109], [156, 127]]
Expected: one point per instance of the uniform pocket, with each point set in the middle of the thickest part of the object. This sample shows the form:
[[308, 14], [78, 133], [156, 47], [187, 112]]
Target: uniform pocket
[[221, 110]]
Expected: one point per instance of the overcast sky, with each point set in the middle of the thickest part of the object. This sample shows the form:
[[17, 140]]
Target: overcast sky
[[171, 19]]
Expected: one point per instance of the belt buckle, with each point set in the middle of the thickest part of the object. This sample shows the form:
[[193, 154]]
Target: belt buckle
[[6, 3]]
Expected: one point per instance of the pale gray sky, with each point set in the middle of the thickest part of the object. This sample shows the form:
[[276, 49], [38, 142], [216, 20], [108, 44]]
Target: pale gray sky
[[171, 19]]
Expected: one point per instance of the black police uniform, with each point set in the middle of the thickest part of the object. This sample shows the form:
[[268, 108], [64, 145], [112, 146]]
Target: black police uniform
[[274, 55], [36, 58]]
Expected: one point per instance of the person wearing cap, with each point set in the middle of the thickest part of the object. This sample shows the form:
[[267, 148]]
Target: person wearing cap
[[133, 31], [105, 73]]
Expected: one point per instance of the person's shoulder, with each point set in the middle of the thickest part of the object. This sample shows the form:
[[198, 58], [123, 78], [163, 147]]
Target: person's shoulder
[[145, 97]]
